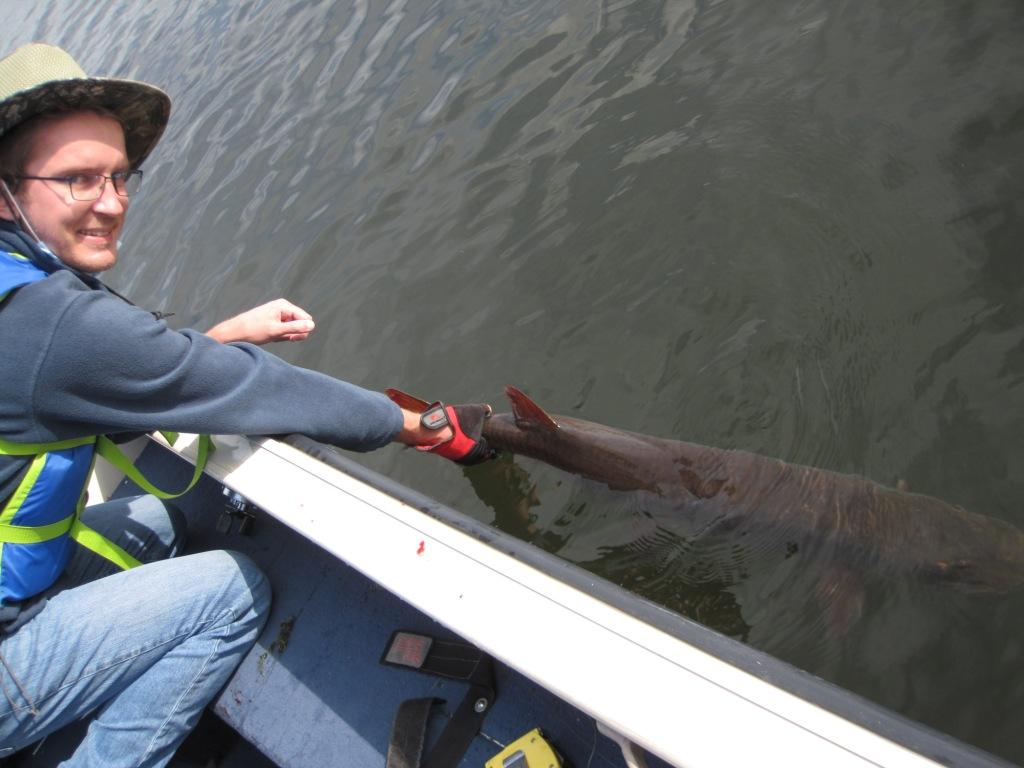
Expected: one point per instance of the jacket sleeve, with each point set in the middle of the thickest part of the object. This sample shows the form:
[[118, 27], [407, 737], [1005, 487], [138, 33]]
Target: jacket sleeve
[[110, 367]]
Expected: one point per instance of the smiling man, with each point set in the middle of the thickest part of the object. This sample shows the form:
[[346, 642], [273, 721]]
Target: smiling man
[[97, 614], [76, 184]]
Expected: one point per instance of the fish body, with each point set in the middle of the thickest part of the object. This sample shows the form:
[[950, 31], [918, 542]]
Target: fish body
[[875, 526]]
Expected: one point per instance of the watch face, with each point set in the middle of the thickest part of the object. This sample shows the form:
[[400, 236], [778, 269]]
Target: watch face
[[435, 418]]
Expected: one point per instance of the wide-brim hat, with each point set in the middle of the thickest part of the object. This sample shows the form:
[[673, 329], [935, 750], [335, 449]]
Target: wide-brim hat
[[40, 78]]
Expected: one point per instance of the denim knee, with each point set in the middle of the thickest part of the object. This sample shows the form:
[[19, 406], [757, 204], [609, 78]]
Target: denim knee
[[150, 528], [246, 578], [165, 519]]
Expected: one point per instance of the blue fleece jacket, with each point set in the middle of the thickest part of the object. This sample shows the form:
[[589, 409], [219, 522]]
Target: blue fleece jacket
[[79, 361]]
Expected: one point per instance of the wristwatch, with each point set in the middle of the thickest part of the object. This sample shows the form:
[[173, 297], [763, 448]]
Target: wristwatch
[[435, 417]]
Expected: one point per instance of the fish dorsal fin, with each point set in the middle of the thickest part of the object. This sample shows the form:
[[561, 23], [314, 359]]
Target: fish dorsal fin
[[527, 413]]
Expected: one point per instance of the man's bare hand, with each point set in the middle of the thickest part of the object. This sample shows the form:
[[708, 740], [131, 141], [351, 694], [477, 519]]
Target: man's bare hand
[[277, 320]]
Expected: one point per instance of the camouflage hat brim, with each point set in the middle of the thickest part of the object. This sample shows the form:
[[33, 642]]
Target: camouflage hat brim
[[142, 109], [38, 78]]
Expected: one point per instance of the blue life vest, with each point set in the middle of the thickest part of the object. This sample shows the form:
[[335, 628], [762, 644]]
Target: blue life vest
[[40, 520], [36, 521]]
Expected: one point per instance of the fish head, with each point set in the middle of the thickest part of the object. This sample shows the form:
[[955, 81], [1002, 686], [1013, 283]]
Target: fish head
[[994, 563], [472, 417], [965, 575]]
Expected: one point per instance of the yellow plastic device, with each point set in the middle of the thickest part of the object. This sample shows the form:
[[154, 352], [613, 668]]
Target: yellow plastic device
[[528, 751]]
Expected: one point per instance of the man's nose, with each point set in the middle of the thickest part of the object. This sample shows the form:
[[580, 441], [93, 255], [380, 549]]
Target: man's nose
[[109, 202]]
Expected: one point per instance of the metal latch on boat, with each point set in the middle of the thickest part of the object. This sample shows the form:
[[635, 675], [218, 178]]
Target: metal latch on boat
[[236, 507]]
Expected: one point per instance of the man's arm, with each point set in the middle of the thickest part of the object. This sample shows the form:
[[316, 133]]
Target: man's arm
[[99, 365], [103, 366]]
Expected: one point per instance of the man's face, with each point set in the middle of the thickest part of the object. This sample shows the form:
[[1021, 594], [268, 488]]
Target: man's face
[[82, 233]]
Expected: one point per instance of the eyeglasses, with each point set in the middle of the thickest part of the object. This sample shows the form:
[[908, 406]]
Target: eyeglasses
[[90, 186]]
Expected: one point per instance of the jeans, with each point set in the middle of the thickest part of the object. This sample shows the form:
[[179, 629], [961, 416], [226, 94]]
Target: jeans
[[143, 650]]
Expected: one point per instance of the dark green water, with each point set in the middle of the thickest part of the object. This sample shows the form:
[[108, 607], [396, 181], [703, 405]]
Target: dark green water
[[789, 227]]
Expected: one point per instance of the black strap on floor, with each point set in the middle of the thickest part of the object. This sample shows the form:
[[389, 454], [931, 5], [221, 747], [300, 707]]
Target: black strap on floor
[[408, 732], [456, 661]]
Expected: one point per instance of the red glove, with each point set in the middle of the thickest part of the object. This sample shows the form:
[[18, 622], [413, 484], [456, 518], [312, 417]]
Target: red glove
[[467, 445]]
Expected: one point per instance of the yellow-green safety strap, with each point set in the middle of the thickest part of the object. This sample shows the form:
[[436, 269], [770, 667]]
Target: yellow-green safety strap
[[33, 534], [22, 491], [79, 531], [83, 534], [106, 448], [102, 546]]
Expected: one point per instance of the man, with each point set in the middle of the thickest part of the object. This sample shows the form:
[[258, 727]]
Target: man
[[145, 649]]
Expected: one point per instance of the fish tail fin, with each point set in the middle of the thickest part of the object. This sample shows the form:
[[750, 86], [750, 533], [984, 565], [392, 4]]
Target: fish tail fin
[[527, 413]]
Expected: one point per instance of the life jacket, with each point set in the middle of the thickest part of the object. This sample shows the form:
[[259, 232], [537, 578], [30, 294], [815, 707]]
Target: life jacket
[[40, 519]]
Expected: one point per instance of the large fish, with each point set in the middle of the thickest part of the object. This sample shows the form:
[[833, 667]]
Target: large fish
[[901, 533]]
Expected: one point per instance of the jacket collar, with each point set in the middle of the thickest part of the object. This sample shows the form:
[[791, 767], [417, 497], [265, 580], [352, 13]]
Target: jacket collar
[[14, 240]]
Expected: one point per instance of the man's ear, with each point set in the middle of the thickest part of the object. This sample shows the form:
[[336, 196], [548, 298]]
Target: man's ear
[[5, 211]]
